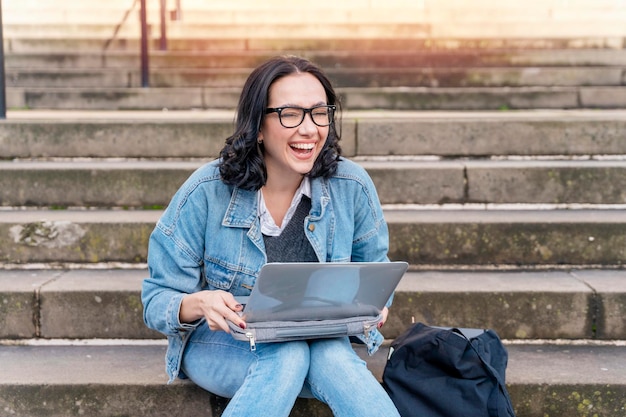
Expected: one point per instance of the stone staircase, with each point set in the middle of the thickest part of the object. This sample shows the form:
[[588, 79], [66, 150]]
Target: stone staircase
[[500, 231], [511, 214], [394, 54], [376, 78]]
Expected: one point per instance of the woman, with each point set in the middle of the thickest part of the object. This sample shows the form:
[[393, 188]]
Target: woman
[[279, 192]]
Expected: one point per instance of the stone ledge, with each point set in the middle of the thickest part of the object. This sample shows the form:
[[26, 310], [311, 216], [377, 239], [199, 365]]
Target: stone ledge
[[421, 236], [146, 184], [110, 380], [353, 98], [149, 134], [575, 304]]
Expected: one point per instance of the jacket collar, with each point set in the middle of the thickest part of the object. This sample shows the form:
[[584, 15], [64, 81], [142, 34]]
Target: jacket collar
[[243, 207]]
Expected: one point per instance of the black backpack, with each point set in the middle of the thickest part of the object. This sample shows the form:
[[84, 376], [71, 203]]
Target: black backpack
[[448, 372]]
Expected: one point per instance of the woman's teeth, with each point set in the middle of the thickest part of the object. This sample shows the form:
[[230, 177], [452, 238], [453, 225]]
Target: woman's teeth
[[303, 146]]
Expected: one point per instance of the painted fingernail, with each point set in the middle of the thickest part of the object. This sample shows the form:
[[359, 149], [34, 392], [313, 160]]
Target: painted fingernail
[[380, 325], [242, 325]]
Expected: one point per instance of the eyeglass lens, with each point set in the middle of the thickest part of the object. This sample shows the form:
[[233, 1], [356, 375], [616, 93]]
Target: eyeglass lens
[[294, 116]]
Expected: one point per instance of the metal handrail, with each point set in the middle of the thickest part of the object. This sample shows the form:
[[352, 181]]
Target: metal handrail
[[3, 92], [143, 17], [145, 60], [163, 43], [119, 26]]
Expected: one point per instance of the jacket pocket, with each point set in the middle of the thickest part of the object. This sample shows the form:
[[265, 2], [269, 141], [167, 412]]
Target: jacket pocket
[[233, 280]]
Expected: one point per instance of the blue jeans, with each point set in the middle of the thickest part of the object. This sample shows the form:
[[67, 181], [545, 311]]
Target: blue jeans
[[268, 381]]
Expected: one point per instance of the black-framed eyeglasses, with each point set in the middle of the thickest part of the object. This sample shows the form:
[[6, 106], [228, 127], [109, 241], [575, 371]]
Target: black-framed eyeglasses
[[294, 116]]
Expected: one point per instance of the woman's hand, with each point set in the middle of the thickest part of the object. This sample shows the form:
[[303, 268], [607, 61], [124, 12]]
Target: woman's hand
[[385, 313], [216, 306]]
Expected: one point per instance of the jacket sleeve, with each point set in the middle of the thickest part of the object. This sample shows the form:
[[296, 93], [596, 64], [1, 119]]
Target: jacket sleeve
[[175, 259], [371, 235]]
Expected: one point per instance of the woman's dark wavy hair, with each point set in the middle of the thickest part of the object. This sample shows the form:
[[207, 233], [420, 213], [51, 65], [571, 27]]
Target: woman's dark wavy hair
[[242, 163]]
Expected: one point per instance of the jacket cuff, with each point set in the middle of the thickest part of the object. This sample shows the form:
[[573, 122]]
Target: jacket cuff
[[173, 316]]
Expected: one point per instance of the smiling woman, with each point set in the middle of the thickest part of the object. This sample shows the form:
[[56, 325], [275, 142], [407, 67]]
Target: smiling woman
[[270, 96], [290, 152], [290, 141], [280, 192]]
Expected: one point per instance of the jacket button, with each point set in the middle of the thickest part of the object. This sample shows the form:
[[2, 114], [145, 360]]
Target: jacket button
[[311, 227]]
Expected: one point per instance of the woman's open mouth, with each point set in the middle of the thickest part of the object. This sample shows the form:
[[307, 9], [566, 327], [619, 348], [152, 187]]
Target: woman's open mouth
[[302, 148]]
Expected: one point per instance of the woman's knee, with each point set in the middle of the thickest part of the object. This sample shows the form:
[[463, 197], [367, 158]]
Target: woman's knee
[[333, 358], [291, 359], [330, 350]]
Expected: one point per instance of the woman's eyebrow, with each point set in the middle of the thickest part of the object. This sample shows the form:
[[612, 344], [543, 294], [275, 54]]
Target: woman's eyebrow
[[319, 103]]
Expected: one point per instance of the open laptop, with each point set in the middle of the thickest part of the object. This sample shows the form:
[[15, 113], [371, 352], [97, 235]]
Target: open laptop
[[321, 291]]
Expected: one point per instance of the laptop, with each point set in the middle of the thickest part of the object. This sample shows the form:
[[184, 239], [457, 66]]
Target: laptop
[[321, 291]]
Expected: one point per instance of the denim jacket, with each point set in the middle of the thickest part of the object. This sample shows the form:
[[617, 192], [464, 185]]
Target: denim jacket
[[209, 238]]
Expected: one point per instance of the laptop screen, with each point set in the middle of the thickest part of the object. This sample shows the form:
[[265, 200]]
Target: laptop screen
[[316, 291]]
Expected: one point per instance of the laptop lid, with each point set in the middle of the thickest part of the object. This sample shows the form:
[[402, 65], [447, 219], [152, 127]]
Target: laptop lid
[[321, 291]]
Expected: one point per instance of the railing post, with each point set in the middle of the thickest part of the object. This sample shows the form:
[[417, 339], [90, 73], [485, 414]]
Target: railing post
[[163, 43], [179, 13], [145, 64], [3, 93]]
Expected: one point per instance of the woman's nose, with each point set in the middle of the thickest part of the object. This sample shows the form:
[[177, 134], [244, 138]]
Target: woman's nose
[[307, 127]]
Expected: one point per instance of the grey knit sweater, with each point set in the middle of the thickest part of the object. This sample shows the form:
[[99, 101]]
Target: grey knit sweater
[[292, 244]]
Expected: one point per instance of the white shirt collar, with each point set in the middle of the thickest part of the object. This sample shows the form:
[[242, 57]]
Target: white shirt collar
[[268, 226]]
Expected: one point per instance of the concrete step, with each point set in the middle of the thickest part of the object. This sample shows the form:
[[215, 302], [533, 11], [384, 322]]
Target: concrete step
[[410, 57], [109, 380], [348, 77], [90, 44], [452, 7], [421, 236], [308, 30], [564, 304], [354, 98], [609, 26], [448, 20], [90, 15], [574, 134], [288, 13], [144, 184]]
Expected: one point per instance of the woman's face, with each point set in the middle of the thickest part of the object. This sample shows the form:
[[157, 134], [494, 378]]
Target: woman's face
[[292, 151]]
